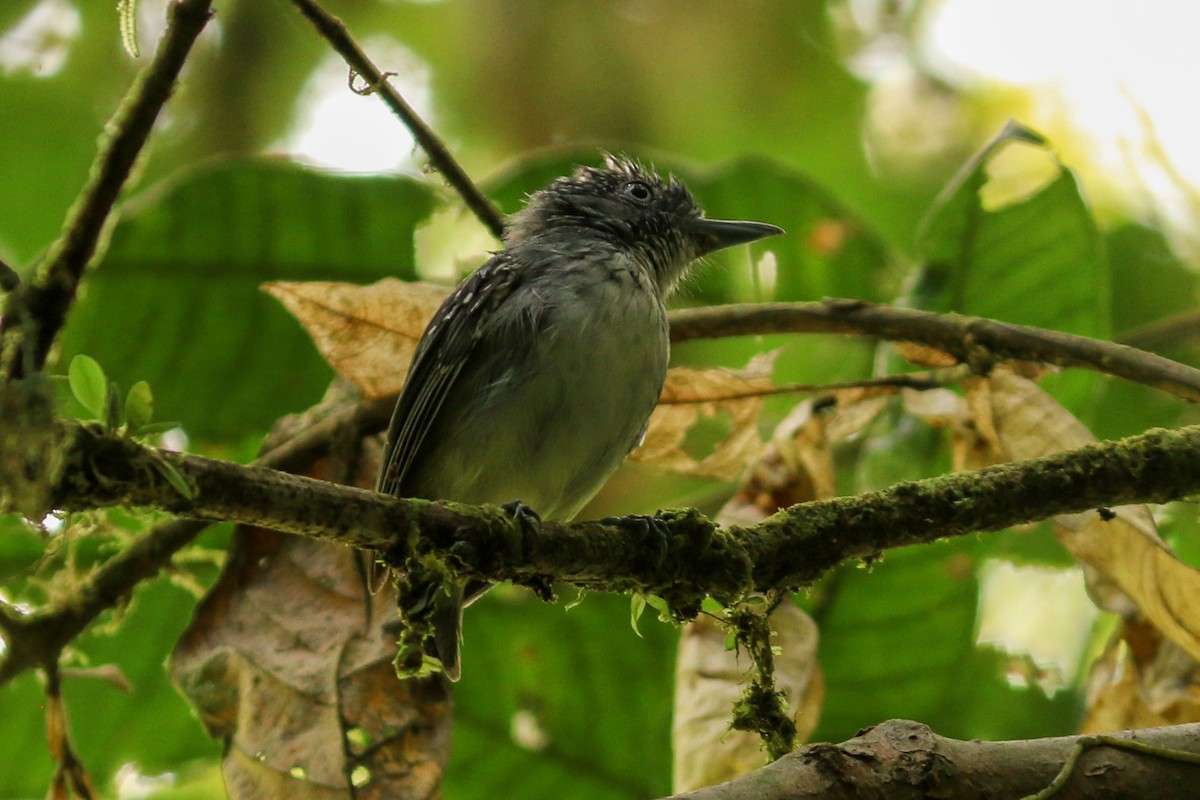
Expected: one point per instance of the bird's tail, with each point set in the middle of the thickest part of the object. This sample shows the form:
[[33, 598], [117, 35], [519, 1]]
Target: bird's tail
[[446, 618], [431, 624]]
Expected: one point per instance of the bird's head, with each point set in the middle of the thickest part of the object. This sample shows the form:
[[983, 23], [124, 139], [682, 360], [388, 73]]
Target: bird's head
[[629, 207]]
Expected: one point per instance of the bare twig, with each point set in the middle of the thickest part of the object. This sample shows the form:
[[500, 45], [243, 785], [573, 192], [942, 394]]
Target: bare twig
[[975, 340], [334, 31], [70, 777], [38, 309], [885, 384], [1085, 743], [1174, 331]]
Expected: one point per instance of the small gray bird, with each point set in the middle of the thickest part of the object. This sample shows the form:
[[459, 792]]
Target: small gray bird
[[537, 376]]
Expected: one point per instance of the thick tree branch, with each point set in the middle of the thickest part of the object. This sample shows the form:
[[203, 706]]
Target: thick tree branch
[[37, 310], [311, 440], [901, 759], [792, 548], [975, 340], [334, 31]]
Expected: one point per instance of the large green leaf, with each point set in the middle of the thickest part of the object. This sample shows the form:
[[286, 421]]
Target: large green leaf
[[897, 640], [50, 122], [599, 694], [1036, 261], [1152, 284], [176, 299]]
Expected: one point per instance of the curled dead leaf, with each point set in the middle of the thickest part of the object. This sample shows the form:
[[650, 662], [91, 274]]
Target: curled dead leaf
[[367, 333], [692, 394], [1142, 681], [923, 355], [1126, 563]]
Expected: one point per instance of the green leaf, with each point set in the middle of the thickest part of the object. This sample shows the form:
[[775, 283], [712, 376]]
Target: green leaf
[[659, 605], [522, 657], [174, 477], [156, 427], [88, 384], [176, 301], [1035, 261], [637, 607], [898, 641], [139, 406]]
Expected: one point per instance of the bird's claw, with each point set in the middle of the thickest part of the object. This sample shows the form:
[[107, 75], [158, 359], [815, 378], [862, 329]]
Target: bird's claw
[[525, 516], [648, 529]]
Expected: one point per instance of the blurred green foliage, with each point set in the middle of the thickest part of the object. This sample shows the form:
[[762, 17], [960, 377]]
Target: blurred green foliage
[[753, 105]]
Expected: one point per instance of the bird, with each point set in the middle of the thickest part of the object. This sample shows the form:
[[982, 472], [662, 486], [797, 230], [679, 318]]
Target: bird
[[538, 374]]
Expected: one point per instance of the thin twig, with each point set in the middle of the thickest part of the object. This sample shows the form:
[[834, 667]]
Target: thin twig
[[70, 777], [334, 31], [38, 309], [974, 340], [1174, 331], [1085, 743], [889, 384]]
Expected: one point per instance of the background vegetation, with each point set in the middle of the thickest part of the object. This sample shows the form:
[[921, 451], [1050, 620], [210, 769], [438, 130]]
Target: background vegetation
[[765, 108]]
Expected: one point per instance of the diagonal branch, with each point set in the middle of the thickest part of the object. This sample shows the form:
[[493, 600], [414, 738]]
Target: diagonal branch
[[334, 31], [975, 340], [37, 310]]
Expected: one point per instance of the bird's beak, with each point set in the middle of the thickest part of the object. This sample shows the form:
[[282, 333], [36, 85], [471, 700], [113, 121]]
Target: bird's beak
[[710, 235]]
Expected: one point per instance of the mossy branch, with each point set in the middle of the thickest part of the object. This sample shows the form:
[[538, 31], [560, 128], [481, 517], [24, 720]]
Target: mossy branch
[[93, 469]]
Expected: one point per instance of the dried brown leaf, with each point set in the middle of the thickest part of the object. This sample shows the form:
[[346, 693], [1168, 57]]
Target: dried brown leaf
[[281, 660], [856, 409], [970, 445], [923, 355], [692, 394], [367, 333], [1125, 562], [288, 664], [1142, 681]]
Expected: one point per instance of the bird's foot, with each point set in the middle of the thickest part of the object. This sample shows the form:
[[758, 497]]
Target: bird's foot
[[648, 529], [525, 516]]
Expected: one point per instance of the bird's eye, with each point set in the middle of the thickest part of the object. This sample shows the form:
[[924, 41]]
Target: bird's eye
[[638, 191]]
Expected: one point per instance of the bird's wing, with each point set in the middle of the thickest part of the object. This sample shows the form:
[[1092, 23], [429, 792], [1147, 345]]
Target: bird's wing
[[444, 350]]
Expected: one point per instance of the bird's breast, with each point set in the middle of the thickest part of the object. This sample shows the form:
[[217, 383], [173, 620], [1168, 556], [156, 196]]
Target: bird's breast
[[559, 418]]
